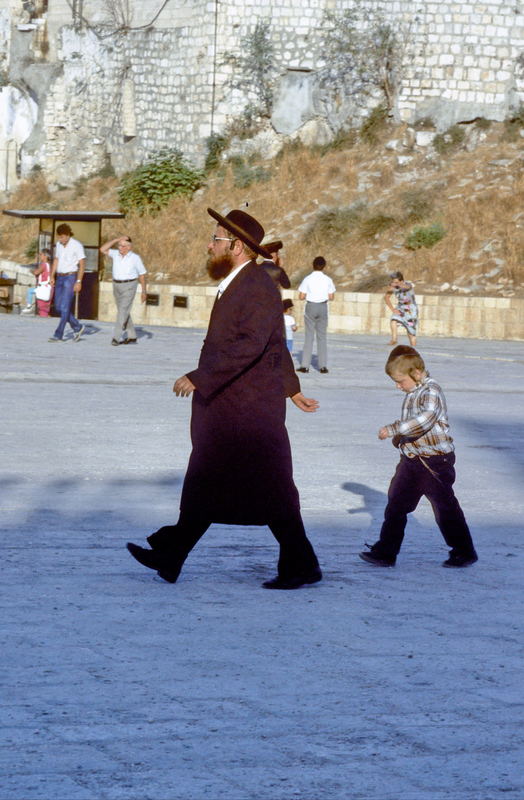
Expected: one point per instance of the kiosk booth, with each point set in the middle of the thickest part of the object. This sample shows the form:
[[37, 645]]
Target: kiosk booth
[[86, 227]]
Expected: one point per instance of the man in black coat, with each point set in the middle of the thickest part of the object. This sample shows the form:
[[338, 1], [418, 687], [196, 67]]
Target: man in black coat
[[240, 468], [273, 265]]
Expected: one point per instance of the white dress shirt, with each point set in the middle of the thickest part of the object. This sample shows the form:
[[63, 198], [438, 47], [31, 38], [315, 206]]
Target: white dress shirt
[[128, 267], [68, 256], [317, 287], [224, 283]]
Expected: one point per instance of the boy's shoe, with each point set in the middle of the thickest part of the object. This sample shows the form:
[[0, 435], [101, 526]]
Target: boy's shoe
[[460, 559], [79, 333], [303, 369], [54, 339], [374, 556]]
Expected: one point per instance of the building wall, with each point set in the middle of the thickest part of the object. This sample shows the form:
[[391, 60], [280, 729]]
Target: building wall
[[130, 92]]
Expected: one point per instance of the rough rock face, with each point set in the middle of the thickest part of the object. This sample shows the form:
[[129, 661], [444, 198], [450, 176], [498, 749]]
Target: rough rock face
[[106, 86]]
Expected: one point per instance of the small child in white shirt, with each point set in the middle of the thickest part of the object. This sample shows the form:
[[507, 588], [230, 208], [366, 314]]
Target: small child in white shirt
[[289, 322]]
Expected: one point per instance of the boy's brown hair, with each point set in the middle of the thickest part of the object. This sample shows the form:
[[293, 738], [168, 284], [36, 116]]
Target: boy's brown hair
[[404, 360]]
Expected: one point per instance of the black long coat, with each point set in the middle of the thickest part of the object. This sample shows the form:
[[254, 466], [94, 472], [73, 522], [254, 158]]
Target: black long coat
[[240, 469], [278, 274]]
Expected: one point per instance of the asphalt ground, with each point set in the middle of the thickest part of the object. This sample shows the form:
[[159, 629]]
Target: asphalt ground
[[376, 684]]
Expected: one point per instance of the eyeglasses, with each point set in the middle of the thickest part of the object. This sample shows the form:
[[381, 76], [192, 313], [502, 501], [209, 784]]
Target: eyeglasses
[[221, 238]]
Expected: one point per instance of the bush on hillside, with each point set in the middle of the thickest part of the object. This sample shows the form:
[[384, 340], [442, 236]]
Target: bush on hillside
[[449, 141], [425, 236], [151, 186]]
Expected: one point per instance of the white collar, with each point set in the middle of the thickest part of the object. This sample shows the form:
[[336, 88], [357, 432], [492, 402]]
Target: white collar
[[222, 286]]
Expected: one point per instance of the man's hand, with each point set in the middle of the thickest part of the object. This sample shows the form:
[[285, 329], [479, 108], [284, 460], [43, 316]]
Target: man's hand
[[305, 403], [143, 297], [77, 287], [183, 387], [383, 433]]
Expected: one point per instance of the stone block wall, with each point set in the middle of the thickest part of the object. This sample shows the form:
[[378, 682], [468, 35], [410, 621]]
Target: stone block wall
[[350, 312], [133, 91], [457, 316]]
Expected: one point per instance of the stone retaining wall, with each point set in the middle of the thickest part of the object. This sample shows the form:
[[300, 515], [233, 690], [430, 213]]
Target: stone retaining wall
[[350, 312]]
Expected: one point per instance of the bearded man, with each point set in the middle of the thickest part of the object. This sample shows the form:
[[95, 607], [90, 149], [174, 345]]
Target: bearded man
[[240, 468]]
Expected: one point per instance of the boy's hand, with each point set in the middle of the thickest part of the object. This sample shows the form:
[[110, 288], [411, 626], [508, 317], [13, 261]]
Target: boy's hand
[[383, 433]]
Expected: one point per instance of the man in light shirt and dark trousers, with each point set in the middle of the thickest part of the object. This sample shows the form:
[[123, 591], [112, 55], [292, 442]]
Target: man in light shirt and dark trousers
[[128, 272], [316, 289], [67, 272]]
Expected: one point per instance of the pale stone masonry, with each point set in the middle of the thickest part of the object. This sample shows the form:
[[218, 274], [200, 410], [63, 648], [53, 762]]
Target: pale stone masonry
[[458, 316], [160, 78]]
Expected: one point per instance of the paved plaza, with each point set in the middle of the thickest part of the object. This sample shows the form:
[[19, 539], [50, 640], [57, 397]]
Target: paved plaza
[[376, 684]]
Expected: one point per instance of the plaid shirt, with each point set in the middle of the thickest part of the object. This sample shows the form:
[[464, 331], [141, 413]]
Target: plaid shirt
[[423, 429]]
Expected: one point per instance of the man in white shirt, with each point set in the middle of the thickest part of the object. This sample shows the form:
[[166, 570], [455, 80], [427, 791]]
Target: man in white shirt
[[316, 289], [128, 272], [67, 272]]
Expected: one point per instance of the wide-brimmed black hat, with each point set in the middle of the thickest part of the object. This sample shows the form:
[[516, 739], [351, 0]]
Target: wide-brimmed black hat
[[273, 247], [244, 227]]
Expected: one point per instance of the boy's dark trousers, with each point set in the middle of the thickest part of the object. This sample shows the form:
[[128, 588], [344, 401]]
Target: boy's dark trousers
[[432, 476]]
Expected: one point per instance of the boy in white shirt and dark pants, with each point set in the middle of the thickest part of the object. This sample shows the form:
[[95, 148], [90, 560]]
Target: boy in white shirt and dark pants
[[316, 289]]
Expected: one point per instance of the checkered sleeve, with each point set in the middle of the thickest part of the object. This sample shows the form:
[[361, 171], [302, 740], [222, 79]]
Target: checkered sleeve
[[421, 413]]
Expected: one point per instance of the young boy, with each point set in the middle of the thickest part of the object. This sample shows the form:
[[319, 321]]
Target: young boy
[[289, 322], [426, 465]]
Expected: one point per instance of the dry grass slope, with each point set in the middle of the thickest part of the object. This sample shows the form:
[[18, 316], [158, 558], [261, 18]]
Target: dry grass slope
[[356, 206]]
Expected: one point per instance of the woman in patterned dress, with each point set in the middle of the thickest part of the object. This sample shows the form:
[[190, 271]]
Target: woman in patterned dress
[[406, 311]]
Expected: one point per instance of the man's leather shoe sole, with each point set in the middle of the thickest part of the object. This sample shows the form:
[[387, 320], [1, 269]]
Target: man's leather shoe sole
[[293, 582], [154, 560], [377, 561]]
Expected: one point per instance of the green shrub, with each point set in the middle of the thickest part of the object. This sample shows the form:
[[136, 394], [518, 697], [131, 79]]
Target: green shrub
[[372, 226], [450, 140], [216, 144], [151, 186], [344, 140], [418, 205], [245, 174], [425, 236], [335, 222]]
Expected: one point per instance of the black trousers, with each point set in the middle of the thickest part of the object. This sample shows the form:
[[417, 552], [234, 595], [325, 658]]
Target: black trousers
[[296, 556], [432, 477]]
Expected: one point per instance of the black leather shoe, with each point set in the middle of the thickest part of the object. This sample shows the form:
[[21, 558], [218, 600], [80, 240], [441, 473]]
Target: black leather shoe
[[460, 559], [323, 370], [129, 341], [293, 582], [378, 560], [302, 369], [155, 560]]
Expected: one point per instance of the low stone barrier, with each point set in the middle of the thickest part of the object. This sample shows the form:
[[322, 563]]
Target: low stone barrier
[[461, 316], [350, 312]]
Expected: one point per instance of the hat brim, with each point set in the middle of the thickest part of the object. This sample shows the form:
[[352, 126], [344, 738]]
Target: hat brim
[[273, 247], [239, 233]]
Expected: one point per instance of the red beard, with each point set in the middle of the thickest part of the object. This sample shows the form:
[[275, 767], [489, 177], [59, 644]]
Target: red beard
[[219, 266]]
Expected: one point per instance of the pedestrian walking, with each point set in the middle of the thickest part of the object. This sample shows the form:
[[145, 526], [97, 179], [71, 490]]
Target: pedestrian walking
[[426, 467], [67, 272], [316, 289], [405, 312], [128, 272], [240, 468]]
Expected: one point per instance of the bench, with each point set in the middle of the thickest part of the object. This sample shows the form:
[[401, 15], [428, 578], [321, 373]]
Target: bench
[[7, 301]]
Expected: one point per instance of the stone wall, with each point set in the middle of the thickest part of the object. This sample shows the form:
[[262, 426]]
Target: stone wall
[[350, 312], [131, 91]]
